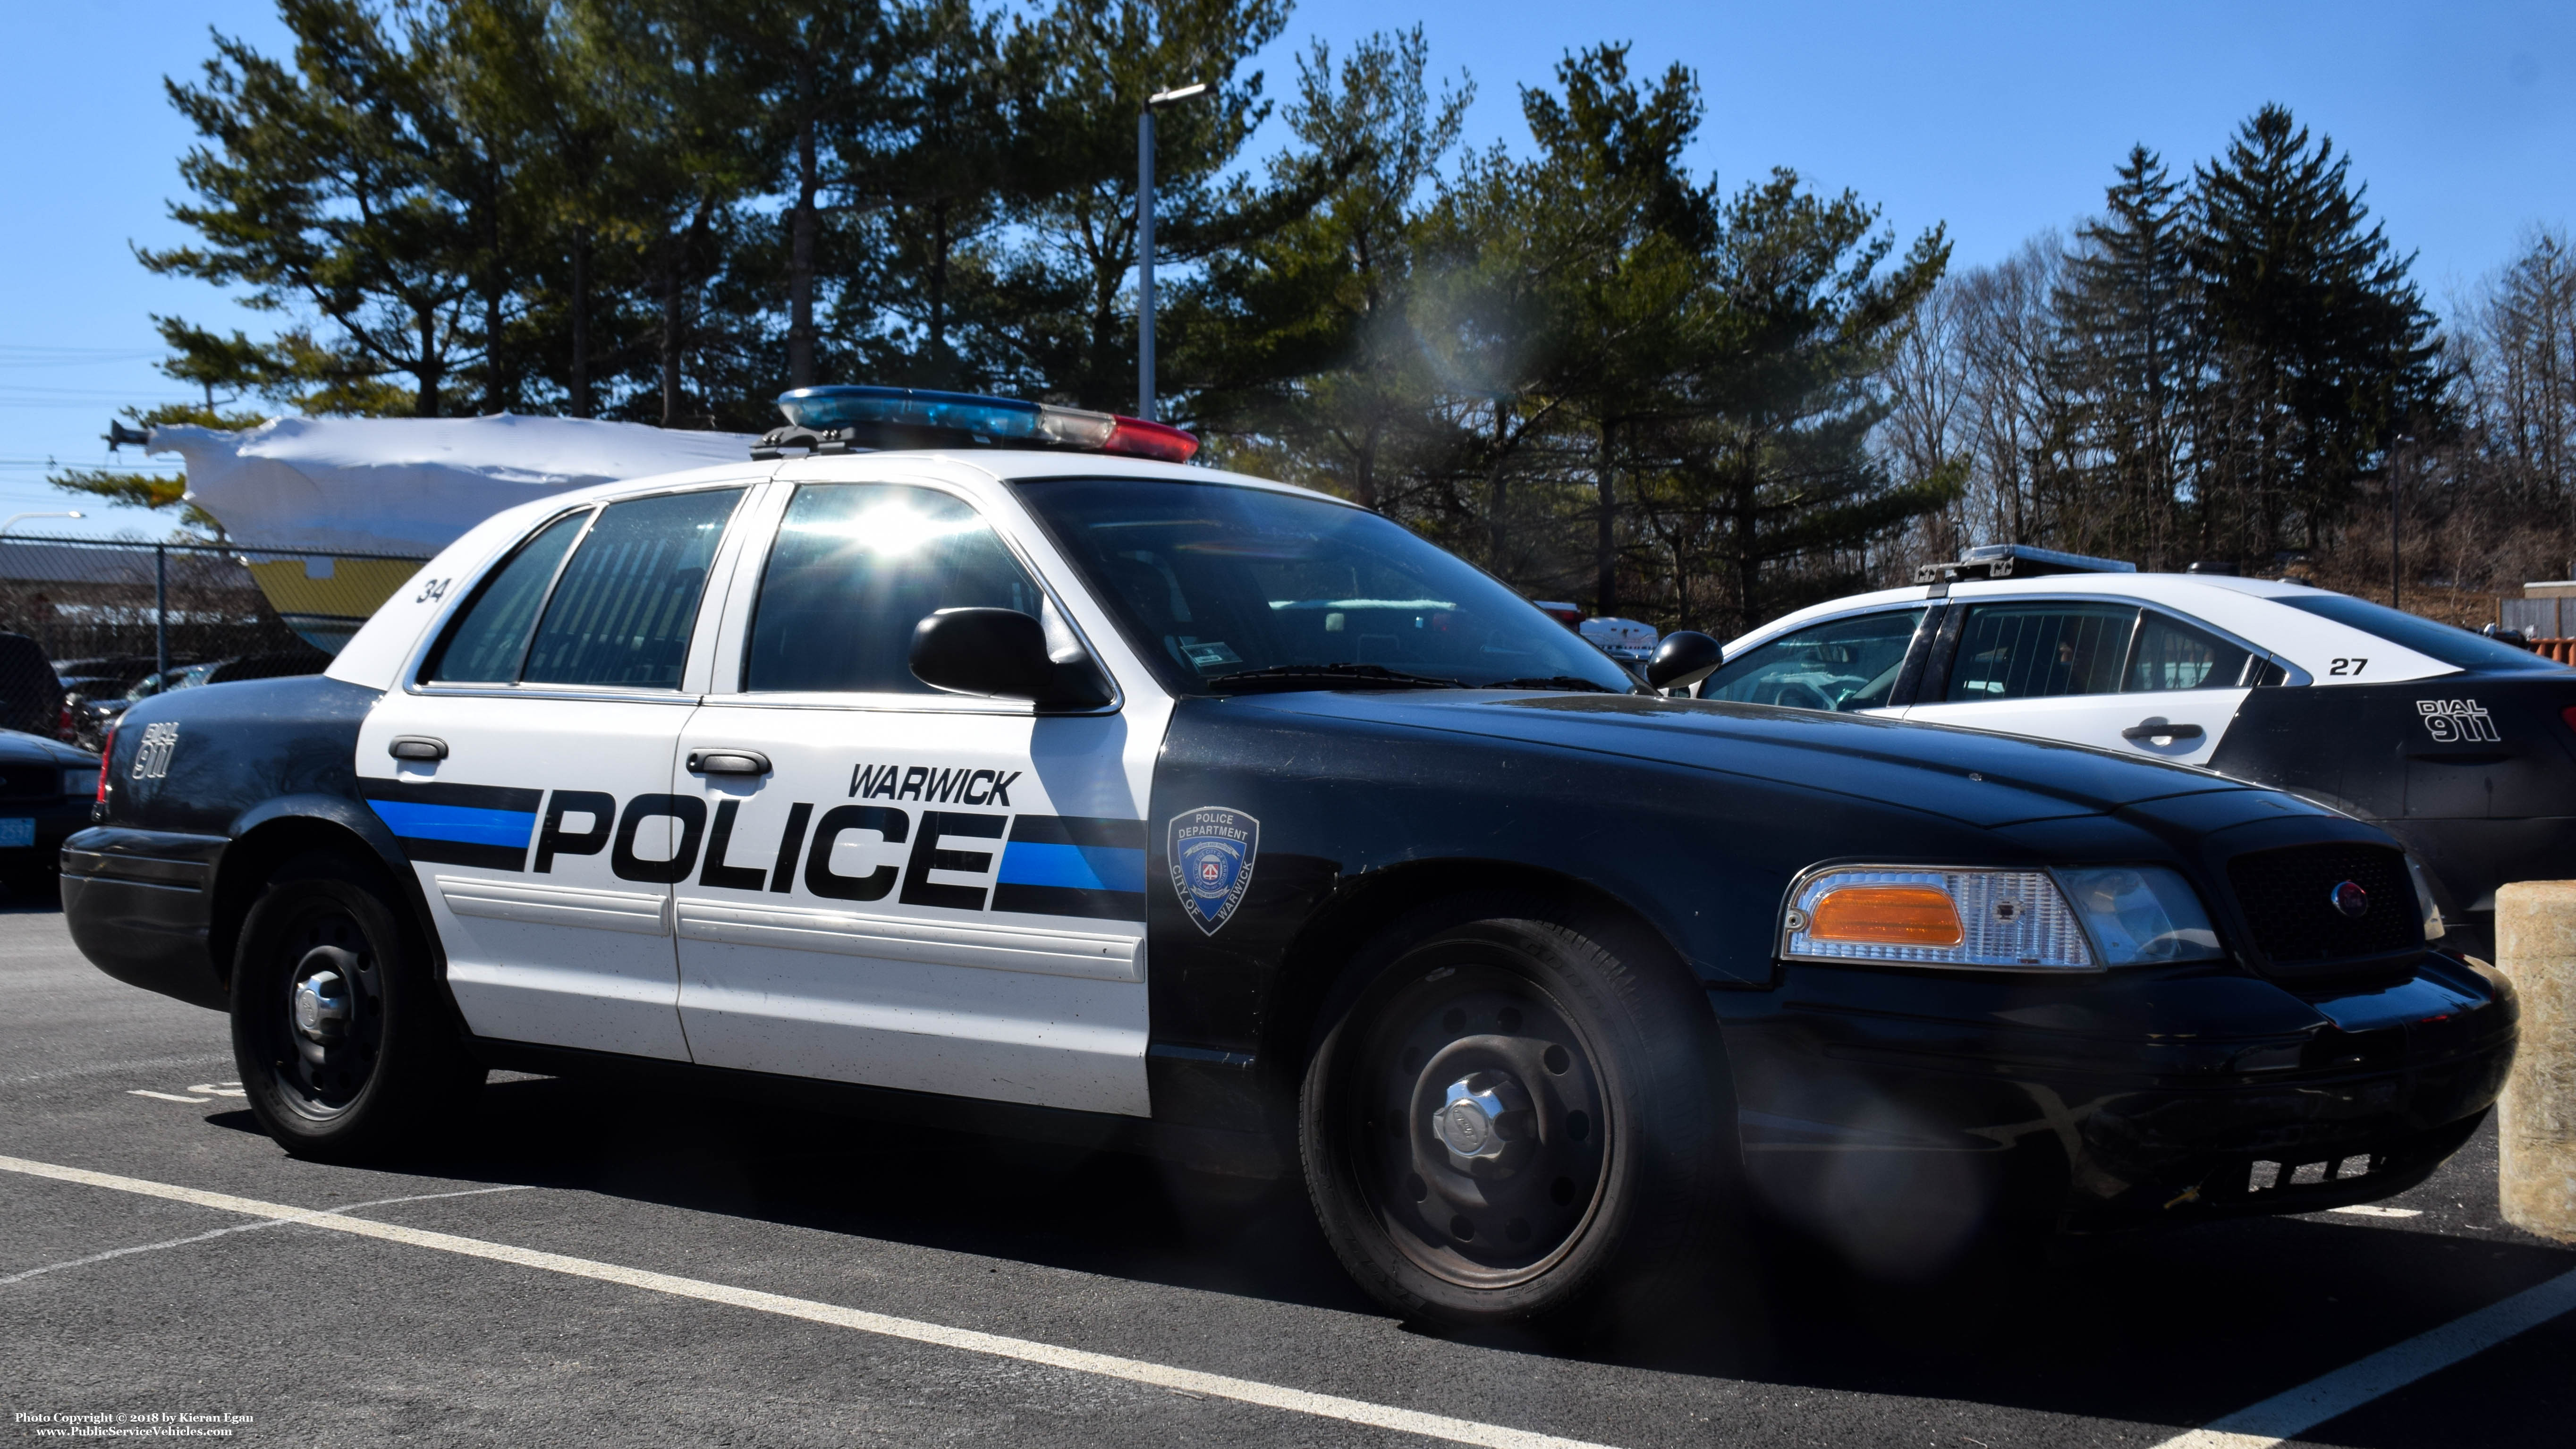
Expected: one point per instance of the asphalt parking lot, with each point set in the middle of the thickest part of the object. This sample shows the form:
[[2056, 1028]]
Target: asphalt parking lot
[[612, 1267]]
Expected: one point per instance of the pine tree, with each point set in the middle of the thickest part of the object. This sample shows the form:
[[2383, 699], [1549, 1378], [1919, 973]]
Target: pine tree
[[2131, 358], [2321, 349]]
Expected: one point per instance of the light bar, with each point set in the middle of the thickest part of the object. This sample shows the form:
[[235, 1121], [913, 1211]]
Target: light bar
[[919, 417]]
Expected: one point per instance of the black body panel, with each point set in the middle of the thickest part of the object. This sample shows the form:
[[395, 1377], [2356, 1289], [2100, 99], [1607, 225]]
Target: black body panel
[[251, 760], [2476, 773]]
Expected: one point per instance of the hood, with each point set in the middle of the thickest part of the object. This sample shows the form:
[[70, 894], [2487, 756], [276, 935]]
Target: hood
[[1965, 775]]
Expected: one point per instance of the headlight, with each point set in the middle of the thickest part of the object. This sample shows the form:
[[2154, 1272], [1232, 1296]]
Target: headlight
[[1976, 919], [82, 782], [2141, 914]]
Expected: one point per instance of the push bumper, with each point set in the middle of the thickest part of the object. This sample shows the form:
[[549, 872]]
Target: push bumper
[[1900, 1112]]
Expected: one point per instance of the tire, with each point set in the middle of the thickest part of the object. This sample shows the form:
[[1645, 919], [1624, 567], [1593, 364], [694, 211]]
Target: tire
[[377, 1060], [33, 884], [1600, 1173]]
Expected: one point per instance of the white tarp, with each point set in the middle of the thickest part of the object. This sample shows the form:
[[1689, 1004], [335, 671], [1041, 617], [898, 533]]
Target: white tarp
[[412, 485]]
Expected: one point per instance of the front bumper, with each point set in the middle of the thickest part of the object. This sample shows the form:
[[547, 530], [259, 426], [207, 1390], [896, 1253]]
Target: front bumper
[[1893, 1110]]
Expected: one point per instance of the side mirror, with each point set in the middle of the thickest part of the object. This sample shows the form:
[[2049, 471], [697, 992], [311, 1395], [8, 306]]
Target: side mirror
[[1001, 653], [1684, 658]]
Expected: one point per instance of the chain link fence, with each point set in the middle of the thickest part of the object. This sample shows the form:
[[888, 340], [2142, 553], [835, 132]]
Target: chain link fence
[[109, 616]]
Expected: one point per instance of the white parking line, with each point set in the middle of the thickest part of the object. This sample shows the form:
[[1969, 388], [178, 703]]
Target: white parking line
[[1186, 1381], [165, 1096], [2287, 1415], [247, 1228]]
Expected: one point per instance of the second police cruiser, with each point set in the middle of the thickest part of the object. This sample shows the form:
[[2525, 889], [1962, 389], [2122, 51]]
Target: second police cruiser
[[2462, 746], [1015, 774]]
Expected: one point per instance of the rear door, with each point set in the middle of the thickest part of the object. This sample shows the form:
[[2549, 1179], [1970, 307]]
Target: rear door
[[2104, 673], [902, 887], [533, 796]]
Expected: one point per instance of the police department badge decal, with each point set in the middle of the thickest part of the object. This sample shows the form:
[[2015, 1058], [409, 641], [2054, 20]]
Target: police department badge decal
[[1212, 851]]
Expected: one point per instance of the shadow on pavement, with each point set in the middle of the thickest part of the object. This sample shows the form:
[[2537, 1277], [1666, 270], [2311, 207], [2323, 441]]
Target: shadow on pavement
[[2170, 1329]]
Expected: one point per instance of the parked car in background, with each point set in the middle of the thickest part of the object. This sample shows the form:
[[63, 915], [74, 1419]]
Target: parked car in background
[[45, 792], [88, 718], [2460, 745], [1628, 640]]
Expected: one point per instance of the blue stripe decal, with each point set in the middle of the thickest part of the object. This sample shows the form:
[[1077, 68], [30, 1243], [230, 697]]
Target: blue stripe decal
[[1076, 867], [463, 824]]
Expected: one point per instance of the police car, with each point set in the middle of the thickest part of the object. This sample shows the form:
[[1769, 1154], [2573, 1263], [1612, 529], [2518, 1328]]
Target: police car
[[1013, 776], [2462, 746]]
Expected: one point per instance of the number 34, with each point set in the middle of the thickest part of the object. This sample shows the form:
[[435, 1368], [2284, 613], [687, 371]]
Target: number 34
[[2347, 666]]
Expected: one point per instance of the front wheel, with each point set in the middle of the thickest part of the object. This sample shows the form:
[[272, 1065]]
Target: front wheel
[[1512, 1120], [344, 1045]]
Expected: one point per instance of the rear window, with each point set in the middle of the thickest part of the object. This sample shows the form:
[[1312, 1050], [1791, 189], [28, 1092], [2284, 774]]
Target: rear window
[[2446, 642]]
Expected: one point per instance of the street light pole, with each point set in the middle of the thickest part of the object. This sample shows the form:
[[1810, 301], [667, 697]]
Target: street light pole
[[15, 518], [1145, 242]]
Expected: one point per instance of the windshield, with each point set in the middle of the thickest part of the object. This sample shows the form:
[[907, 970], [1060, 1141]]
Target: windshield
[[2446, 642], [1216, 585]]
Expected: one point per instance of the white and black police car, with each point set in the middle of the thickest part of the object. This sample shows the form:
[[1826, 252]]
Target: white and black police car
[[1012, 776], [2460, 745]]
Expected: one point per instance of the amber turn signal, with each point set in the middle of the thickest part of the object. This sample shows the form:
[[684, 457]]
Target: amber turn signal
[[1887, 915]]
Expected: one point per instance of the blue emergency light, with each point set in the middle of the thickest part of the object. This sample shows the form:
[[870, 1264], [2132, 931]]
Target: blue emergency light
[[844, 418]]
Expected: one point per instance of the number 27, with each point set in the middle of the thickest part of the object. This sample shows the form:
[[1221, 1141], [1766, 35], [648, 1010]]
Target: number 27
[[2347, 666]]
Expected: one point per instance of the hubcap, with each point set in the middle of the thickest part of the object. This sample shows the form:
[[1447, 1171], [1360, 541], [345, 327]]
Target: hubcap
[[1479, 1117], [330, 1018], [1479, 1129], [322, 1007]]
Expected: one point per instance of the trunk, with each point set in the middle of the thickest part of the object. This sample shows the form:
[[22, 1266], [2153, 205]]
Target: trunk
[[675, 302], [431, 370], [672, 291], [939, 288], [1748, 563], [1605, 555], [800, 258], [581, 322], [496, 386], [1495, 496]]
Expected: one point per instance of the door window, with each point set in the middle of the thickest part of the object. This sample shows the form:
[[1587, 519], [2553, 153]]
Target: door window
[[2173, 655], [855, 568], [492, 635], [2040, 651], [1840, 664], [622, 614]]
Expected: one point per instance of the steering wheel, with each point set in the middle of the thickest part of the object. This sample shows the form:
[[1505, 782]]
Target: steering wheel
[[1799, 694]]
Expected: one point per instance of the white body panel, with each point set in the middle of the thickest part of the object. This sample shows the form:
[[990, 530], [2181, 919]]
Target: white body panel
[[572, 956], [2099, 719]]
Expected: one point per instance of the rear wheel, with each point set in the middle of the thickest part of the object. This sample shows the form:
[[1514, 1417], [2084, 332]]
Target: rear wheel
[[344, 1045], [1513, 1120]]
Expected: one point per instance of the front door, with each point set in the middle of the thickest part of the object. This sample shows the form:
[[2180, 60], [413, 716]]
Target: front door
[[2108, 675], [542, 826], [902, 887]]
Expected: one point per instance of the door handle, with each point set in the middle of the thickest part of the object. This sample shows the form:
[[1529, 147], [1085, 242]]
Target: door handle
[[728, 762], [417, 747], [2156, 729]]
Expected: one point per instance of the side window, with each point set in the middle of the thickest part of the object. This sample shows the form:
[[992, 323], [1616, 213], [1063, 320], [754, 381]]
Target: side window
[[2173, 655], [855, 567], [2040, 651], [622, 614], [487, 640], [1842, 664]]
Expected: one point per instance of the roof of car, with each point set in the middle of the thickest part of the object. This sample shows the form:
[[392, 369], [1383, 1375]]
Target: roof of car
[[2298, 637]]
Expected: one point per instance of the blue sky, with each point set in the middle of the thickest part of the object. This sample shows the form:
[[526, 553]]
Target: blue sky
[[1998, 119]]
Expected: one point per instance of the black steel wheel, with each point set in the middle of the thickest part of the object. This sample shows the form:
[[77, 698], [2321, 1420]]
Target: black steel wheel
[[344, 1044], [1511, 1120]]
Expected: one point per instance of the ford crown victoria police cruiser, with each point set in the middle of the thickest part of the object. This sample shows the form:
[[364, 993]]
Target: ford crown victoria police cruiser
[[1060, 792], [2461, 746]]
